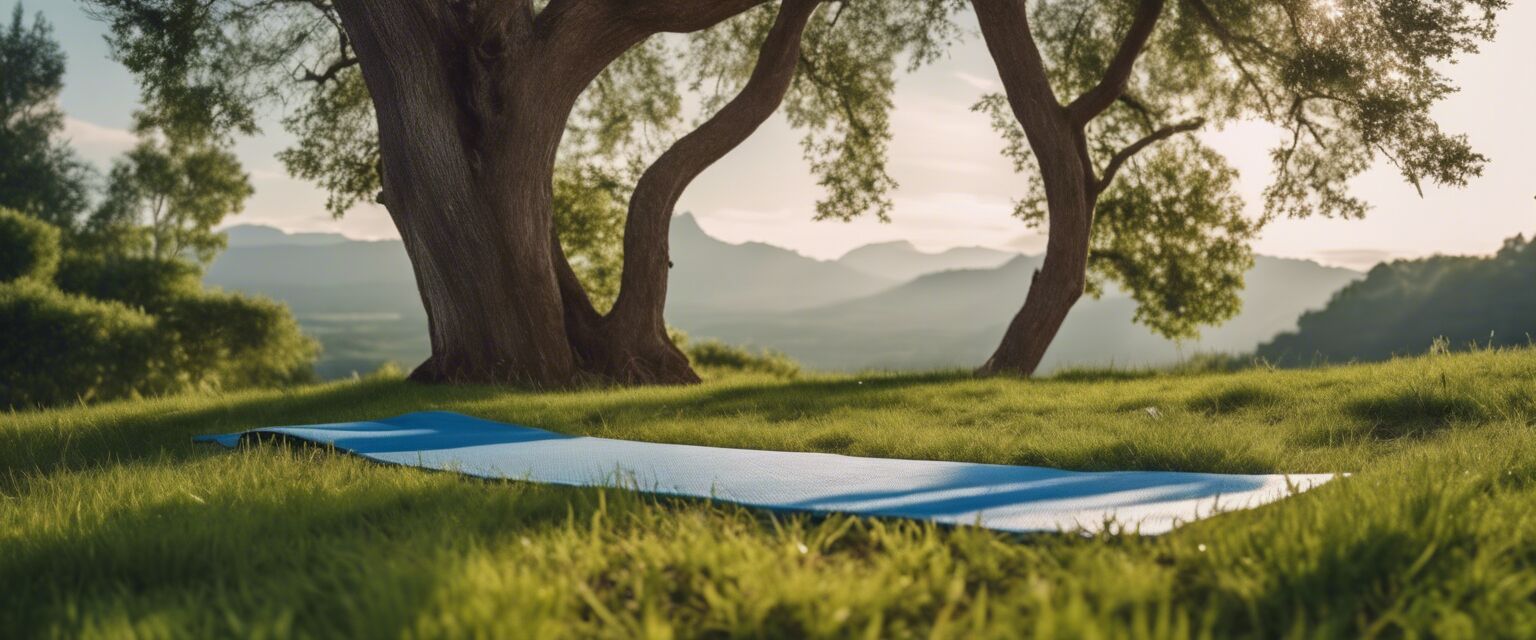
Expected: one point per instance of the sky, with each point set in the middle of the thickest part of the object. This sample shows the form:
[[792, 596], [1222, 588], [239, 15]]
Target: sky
[[956, 189]]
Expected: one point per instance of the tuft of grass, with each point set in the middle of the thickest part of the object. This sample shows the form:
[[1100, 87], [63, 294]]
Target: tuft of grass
[[112, 524]]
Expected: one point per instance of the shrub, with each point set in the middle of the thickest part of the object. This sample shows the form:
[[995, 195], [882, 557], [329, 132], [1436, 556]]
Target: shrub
[[60, 348], [29, 248], [151, 284], [227, 341], [713, 354]]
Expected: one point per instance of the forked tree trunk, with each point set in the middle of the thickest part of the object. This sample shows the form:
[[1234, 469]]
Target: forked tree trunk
[[1057, 138], [1058, 144], [637, 349], [472, 100]]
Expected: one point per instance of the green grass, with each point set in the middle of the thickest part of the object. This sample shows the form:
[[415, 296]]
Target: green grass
[[112, 524]]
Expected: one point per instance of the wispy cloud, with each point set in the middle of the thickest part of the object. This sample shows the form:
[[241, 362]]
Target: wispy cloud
[[978, 82], [99, 144], [91, 134]]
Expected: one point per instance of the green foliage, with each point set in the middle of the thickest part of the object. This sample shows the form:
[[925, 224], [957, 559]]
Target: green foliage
[[115, 308], [61, 348], [153, 336], [1409, 306], [1347, 82], [1173, 232], [716, 355], [232, 341], [39, 174], [29, 248], [590, 208], [124, 528], [165, 196], [144, 283]]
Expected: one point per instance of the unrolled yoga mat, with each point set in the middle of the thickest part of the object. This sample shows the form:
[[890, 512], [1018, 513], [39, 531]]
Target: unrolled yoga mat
[[1002, 497]]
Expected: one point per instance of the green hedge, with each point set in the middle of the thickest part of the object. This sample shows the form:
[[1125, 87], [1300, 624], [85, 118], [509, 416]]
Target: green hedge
[[29, 248], [60, 348]]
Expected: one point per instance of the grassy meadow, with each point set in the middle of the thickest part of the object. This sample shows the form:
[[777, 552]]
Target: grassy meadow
[[112, 524]]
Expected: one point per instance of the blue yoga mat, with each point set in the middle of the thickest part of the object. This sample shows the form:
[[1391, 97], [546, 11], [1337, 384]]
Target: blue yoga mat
[[1001, 497]]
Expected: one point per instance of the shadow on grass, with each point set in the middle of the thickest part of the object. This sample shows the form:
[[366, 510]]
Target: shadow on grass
[[285, 550], [1412, 414], [162, 429], [1234, 399]]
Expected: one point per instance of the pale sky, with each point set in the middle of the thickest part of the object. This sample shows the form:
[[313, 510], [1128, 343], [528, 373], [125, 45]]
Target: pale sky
[[956, 189]]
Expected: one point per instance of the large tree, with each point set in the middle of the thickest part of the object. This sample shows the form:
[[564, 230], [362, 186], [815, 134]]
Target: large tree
[[470, 121], [1102, 98], [39, 174]]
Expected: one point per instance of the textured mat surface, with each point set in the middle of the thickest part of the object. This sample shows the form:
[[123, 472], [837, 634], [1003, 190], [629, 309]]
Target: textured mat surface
[[1002, 497]]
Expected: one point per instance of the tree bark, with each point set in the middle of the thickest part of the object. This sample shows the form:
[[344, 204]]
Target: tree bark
[[1059, 143], [1059, 146], [635, 348], [472, 100], [468, 152]]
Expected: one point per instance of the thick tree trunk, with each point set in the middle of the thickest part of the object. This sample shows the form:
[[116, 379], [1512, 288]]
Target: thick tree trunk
[[467, 161], [1058, 144], [471, 101]]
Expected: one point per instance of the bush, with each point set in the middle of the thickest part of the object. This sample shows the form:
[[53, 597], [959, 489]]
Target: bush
[[151, 284], [29, 248], [230, 341], [713, 354], [60, 348]]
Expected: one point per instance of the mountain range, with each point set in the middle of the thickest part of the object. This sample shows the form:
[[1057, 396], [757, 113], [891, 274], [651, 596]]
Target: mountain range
[[881, 306]]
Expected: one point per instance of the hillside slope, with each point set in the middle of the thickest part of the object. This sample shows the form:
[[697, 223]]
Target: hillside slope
[[1401, 307], [119, 527]]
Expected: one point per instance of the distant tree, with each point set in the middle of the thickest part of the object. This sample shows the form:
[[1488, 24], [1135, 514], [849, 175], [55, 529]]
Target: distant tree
[[165, 196], [472, 121], [1128, 194], [39, 174], [1403, 307]]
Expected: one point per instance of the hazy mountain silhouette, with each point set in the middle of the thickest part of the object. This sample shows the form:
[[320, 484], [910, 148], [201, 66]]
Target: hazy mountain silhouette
[[251, 235], [360, 299], [955, 319], [901, 261], [712, 275]]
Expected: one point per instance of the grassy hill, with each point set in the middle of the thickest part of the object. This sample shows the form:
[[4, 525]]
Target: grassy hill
[[112, 524]]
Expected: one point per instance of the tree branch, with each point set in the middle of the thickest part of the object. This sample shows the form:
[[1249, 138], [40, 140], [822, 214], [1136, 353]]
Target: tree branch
[[1093, 102], [656, 194], [1136, 147]]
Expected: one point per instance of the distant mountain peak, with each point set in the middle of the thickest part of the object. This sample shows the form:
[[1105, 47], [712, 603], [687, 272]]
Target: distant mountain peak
[[902, 260], [259, 235]]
